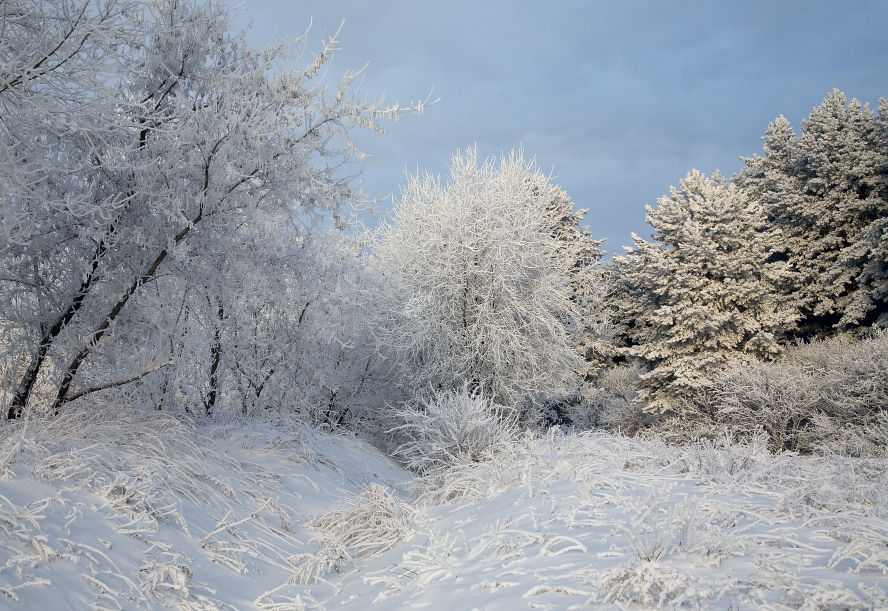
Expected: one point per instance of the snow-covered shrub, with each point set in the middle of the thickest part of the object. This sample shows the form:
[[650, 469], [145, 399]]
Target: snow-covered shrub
[[724, 458], [830, 393], [780, 397], [611, 403], [583, 411], [454, 427], [857, 374], [870, 440], [651, 584]]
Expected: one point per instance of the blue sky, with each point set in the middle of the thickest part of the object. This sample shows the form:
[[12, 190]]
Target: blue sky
[[619, 100]]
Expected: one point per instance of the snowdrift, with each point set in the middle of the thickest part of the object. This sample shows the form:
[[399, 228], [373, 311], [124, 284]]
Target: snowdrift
[[120, 509]]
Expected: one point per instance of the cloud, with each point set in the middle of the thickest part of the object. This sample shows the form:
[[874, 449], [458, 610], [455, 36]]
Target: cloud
[[621, 99]]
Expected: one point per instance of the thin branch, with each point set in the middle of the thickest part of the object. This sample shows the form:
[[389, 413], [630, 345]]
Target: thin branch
[[92, 389]]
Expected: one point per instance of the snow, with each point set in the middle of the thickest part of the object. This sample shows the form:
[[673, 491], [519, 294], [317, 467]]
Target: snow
[[121, 509]]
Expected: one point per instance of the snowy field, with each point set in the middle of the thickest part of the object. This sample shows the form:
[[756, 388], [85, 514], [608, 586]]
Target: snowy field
[[117, 509]]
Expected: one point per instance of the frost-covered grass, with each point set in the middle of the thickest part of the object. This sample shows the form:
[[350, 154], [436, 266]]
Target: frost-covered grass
[[120, 509], [116, 508]]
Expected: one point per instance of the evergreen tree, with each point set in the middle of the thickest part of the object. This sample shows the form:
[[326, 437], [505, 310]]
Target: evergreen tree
[[841, 199], [700, 295], [823, 194], [863, 265], [773, 182]]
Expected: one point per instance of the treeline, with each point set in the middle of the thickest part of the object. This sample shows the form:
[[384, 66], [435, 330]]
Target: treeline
[[792, 249], [176, 233]]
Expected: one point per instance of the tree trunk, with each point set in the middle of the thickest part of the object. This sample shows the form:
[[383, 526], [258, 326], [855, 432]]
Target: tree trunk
[[216, 352], [26, 384]]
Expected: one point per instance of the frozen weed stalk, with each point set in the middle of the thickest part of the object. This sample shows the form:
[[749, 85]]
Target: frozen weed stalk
[[652, 584], [374, 523]]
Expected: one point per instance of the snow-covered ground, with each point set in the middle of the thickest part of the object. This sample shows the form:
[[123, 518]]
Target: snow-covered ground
[[120, 509]]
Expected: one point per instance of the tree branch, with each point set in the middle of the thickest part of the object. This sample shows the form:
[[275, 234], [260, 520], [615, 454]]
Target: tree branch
[[92, 389]]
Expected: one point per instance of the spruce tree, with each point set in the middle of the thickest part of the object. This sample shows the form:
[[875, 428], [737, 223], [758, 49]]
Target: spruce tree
[[841, 199], [824, 196], [700, 295], [862, 266]]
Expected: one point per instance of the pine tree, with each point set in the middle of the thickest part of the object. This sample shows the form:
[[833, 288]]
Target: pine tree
[[841, 199], [863, 264], [824, 197], [700, 295], [773, 182]]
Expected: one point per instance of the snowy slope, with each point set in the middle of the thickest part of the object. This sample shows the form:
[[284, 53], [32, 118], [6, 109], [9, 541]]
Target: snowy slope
[[140, 511]]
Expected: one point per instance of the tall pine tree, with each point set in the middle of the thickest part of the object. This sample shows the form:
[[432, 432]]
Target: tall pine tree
[[700, 296], [824, 196], [863, 265]]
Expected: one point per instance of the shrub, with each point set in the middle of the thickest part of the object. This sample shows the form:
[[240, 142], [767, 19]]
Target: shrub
[[831, 393], [612, 403], [454, 427]]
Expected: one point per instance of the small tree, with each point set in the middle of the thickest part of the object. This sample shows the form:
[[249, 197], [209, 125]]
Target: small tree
[[482, 282]]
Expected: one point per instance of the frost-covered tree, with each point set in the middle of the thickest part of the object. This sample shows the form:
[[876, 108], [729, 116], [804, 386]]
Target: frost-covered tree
[[842, 198], [699, 296], [485, 272], [279, 331], [863, 265], [824, 195], [579, 253], [55, 58], [773, 182], [150, 156]]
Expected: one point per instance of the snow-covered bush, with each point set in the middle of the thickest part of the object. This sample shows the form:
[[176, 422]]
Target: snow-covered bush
[[610, 401], [779, 397], [870, 440], [726, 459], [651, 584], [858, 376], [454, 427], [617, 401], [830, 393]]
